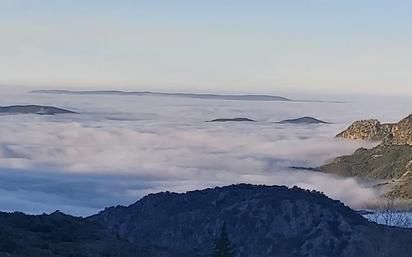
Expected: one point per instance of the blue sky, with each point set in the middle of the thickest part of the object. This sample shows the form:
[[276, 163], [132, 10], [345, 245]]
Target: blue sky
[[215, 45]]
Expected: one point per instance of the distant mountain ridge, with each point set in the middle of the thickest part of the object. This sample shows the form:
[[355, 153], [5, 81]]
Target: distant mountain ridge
[[303, 120], [33, 109], [184, 95], [232, 120]]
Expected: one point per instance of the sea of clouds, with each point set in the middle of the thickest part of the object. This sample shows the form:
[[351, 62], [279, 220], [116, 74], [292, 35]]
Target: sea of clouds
[[120, 148]]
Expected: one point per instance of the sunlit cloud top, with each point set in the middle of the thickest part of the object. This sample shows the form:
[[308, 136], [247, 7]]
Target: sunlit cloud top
[[216, 45]]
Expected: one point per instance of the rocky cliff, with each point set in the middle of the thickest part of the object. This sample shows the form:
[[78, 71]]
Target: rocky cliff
[[366, 130], [398, 133], [401, 133], [390, 161]]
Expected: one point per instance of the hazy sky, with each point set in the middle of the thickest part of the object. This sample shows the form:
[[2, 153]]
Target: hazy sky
[[214, 45]]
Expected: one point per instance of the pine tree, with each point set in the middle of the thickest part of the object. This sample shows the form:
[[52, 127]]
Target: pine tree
[[223, 247]]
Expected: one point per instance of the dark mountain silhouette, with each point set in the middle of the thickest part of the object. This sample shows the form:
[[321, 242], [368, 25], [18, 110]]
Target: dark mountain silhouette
[[58, 235], [33, 109], [260, 221], [303, 120], [239, 220], [232, 119]]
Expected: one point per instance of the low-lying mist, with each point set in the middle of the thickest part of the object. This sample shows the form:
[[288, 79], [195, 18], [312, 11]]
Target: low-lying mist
[[119, 148]]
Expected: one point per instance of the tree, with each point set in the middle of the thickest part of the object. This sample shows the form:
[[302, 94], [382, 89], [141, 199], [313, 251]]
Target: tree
[[223, 247], [389, 215], [382, 241]]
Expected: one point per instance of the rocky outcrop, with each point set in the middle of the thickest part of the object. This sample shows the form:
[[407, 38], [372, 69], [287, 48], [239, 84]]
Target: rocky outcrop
[[33, 109], [390, 161], [261, 221], [398, 133], [401, 133], [366, 130]]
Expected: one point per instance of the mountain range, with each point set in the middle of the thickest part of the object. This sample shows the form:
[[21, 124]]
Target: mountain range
[[148, 93], [261, 221]]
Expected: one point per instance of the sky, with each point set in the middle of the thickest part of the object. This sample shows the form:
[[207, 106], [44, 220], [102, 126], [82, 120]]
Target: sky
[[257, 46]]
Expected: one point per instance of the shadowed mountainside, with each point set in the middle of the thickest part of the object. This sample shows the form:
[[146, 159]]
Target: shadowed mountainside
[[261, 221], [57, 235]]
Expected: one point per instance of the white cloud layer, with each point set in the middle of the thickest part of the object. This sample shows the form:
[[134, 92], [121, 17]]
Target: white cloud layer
[[120, 148]]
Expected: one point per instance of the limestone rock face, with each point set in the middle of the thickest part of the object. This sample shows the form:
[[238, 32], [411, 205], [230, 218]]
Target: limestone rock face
[[402, 132], [395, 134], [366, 130], [390, 161]]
